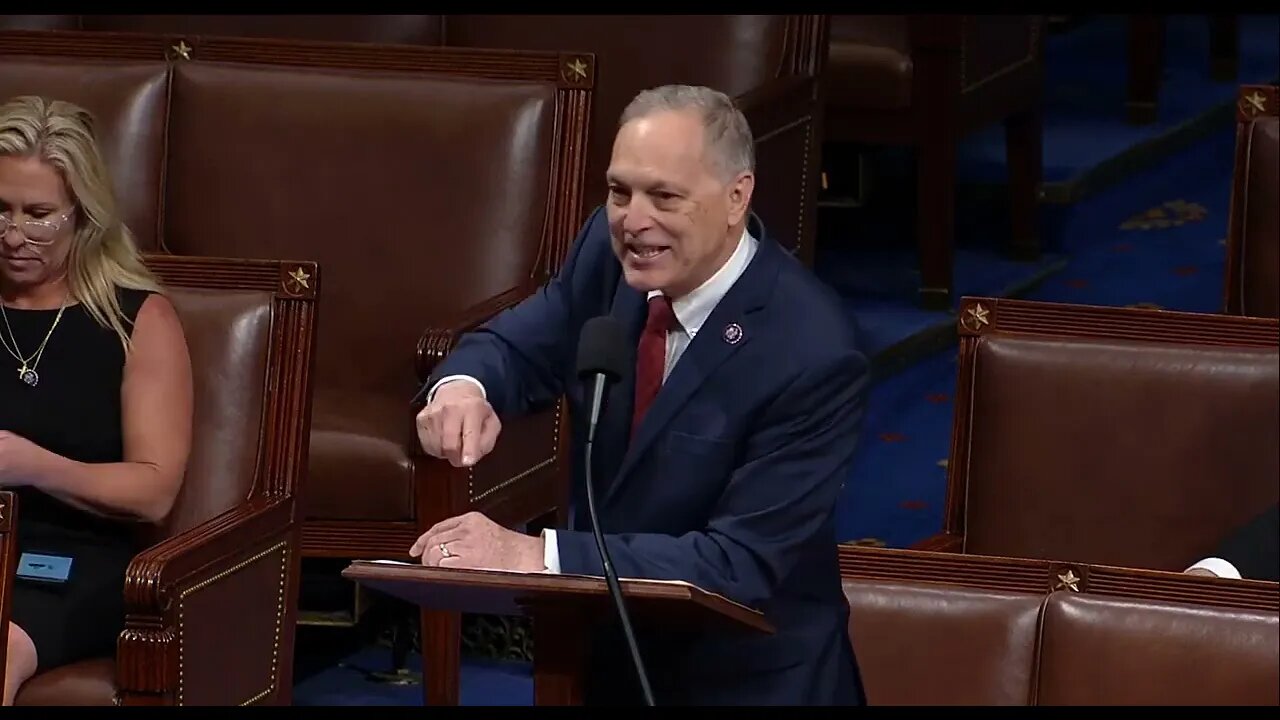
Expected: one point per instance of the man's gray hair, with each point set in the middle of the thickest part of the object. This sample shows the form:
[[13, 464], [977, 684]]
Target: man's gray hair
[[727, 135]]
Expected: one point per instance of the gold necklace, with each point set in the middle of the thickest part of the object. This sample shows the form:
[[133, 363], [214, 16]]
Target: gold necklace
[[27, 372]]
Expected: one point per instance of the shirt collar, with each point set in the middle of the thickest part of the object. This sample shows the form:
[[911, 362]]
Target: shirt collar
[[693, 309]]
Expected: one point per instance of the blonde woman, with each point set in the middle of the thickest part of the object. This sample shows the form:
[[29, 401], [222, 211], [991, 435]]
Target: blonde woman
[[95, 388]]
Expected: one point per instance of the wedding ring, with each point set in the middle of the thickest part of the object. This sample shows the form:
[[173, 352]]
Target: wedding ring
[[445, 551]]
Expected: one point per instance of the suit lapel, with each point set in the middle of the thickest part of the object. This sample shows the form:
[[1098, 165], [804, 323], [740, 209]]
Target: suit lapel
[[715, 343]]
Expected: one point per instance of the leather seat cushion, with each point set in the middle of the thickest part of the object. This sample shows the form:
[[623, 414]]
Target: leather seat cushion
[[869, 65], [359, 467], [88, 682]]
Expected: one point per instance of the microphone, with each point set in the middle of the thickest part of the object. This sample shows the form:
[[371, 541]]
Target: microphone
[[602, 359]]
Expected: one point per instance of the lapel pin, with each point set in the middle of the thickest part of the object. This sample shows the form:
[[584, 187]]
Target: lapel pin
[[733, 333]]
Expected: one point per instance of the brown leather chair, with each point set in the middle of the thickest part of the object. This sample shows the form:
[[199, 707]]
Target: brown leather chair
[[8, 563], [129, 99], [946, 629], [1252, 284], [921, 643], [211, 601], [926, 81], [1124, 436], [406, 29], [40, 22], [770, 63], [439, 186], [408, 170], [1107, 651]]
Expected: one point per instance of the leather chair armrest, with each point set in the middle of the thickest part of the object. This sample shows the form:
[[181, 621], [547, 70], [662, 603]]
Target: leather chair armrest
[[161, 568], [207, 592], [942, 542], [522, 478], [437, 342]]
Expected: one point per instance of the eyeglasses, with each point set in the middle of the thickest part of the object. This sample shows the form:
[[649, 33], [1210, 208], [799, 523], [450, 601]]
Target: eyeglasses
[[36, 232]]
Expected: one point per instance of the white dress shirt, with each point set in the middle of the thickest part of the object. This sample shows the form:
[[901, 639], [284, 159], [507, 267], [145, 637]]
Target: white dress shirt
[[691, 311]]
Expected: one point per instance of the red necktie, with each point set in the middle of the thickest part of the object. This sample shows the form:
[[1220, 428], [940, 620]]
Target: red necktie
[[651, 357]]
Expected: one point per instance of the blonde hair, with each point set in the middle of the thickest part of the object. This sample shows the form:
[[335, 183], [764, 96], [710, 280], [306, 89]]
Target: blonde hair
[[103, 254]]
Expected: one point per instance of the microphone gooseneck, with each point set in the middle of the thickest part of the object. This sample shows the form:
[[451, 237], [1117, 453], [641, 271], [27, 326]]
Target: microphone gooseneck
[[601, 358]]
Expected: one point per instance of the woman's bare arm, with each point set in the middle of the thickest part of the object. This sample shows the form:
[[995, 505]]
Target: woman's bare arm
[[157, 405]]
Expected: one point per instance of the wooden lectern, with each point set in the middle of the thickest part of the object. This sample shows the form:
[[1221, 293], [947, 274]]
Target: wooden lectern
[[563, 608]]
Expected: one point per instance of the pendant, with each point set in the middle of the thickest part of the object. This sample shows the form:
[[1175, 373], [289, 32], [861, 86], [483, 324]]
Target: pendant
[[28, 376]]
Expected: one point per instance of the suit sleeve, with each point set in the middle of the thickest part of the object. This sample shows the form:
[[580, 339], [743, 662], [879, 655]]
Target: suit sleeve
[[1254, 548], [520, 356], [774, 505]]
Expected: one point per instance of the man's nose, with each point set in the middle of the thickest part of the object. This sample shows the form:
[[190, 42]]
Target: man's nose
[[638, 218]]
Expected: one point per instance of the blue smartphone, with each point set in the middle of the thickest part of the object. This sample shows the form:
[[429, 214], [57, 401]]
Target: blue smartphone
[[44, 568]]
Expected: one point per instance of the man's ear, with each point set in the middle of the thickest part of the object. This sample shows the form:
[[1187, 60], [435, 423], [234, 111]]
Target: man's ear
[[740, 190]]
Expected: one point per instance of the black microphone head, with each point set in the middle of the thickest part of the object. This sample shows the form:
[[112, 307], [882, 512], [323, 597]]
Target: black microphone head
[[602, 348]]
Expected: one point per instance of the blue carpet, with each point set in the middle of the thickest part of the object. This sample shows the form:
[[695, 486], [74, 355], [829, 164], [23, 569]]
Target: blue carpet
[[1155, 238], [1086, 80], [484, 682], [869, 255], [894, 494]]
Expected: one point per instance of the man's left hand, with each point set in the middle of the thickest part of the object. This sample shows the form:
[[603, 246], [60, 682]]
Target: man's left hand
[[475, 541]]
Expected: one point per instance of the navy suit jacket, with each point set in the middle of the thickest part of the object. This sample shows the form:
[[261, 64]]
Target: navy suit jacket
[[1253, 548], [731, 480]]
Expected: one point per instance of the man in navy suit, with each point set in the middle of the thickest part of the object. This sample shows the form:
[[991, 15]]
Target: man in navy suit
[[1250, 551], [720, 459]]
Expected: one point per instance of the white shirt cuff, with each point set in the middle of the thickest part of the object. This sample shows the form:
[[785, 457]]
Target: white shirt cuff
[[450, 378], [1218, 567], [550, 551]]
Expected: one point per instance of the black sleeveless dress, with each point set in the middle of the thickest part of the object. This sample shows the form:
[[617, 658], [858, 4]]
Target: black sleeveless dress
[[74, 410]]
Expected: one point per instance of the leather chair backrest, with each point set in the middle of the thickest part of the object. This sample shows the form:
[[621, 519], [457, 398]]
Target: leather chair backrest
[[1261, 250], [1115, 436], [423, 195], [1137, 454], [405, 29], [1109, 651], [934, 628], [921, 643], [732, 53], [229, 338], [129, 100], [739, 54], [1253, 236], [40, 22]]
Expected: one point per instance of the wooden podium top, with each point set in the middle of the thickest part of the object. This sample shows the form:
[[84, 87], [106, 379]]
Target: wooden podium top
[[500, 592]]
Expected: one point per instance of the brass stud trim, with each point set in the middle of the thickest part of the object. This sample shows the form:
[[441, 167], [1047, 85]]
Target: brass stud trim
[[280, 608]]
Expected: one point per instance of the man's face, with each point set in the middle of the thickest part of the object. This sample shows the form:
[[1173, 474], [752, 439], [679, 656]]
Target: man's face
[[671, 216]]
